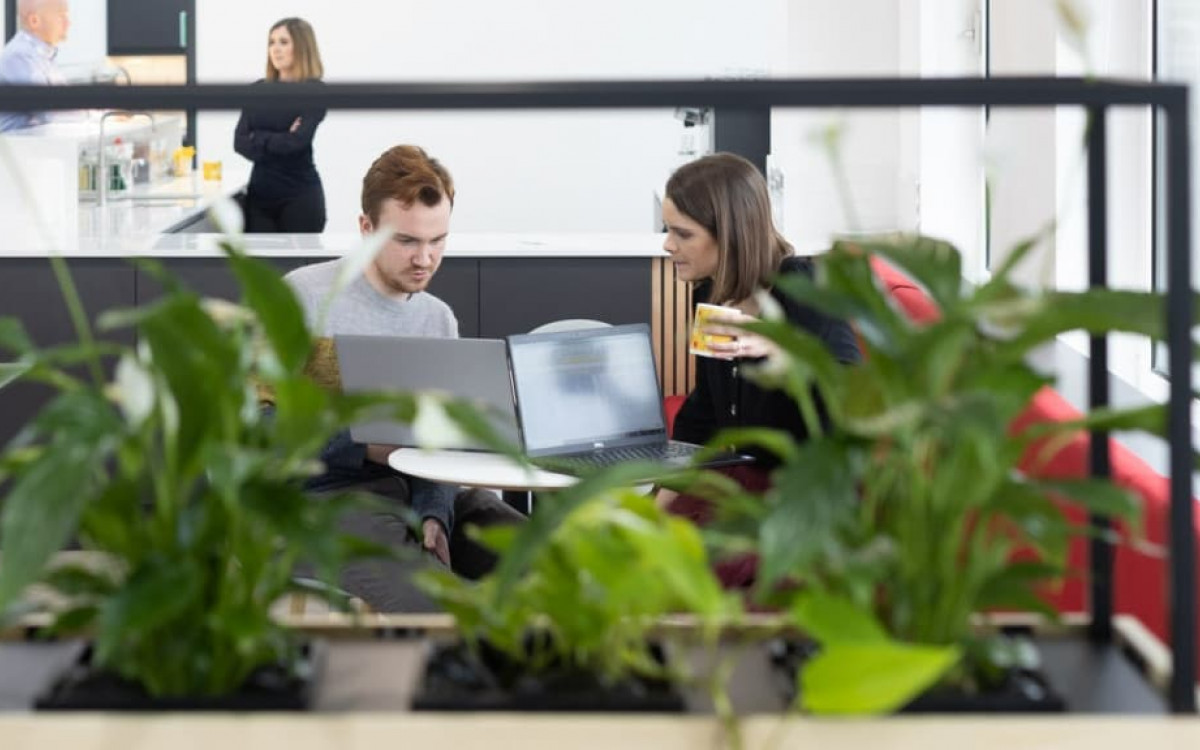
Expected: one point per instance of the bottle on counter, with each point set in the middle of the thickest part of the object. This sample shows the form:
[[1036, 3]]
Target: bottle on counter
[[89, 163], [184, 155], [119, 157]]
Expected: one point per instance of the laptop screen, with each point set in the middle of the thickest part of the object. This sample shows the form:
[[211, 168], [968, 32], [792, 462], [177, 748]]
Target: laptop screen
[[586, 389]]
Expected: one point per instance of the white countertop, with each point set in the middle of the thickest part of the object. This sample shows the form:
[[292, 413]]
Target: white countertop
[[79, 127], [458, 245], [124, 230], [145, 222]]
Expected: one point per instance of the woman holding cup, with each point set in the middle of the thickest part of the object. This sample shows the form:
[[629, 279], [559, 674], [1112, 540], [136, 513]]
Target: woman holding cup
[[722, 239]]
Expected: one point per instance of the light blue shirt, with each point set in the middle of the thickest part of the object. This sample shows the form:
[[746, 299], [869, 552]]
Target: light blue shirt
[[27, 60]]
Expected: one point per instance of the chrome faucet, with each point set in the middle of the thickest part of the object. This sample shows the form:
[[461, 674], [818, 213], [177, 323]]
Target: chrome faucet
[[102, 166]]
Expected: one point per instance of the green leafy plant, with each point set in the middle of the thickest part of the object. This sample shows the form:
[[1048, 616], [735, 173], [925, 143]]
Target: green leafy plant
[[907, 513], [184, 495], [590, 579]]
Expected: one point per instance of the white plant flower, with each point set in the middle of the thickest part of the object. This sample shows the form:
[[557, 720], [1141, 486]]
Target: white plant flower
[[1074, 19], [352, 266], [227, 215], [768, 307], [134, 390], [433, 427], [224, 313], [357, 260]]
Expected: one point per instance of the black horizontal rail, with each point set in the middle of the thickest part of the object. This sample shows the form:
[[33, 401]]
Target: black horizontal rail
[[747, 93], [1018, 92]]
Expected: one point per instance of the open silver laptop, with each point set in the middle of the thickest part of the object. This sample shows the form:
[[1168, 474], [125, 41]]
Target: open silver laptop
[[589, 398], [474, 369]]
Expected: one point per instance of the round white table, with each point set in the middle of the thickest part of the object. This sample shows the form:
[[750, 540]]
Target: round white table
[[475, 469]]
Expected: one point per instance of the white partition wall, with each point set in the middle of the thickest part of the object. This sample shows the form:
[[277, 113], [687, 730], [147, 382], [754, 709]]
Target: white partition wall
[[516, 171]]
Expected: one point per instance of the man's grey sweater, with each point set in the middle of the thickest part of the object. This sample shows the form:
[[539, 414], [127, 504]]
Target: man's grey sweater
[[360, 309]]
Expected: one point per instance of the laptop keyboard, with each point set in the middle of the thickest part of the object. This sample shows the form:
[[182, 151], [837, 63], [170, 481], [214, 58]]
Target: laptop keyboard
[[611, 456]]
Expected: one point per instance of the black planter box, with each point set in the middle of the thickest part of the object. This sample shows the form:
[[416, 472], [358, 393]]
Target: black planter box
[[454, 679], [271, 688], [1020, 691]]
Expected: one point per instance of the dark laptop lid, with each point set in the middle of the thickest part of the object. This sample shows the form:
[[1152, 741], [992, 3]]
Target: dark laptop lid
[[474, 369], [586, 389]]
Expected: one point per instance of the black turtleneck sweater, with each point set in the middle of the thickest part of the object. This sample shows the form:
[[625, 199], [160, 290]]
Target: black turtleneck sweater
[[724, 398], [283, 160]]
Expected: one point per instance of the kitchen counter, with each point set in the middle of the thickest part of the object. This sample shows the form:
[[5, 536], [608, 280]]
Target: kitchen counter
[[129, 228], [458, 245]]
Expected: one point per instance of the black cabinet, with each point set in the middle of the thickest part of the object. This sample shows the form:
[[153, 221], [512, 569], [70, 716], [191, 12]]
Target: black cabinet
[[491, 298], [518, 294], [150, 27], [208, 277], [456, 283], [29, 292]]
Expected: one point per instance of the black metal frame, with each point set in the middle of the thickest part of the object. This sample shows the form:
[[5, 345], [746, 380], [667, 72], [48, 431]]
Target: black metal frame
[[1097, 96]]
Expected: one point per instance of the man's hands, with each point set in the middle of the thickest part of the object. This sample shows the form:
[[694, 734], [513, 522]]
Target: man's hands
[[435, 541]]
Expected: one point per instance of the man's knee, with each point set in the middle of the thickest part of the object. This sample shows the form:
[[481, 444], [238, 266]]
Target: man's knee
[[482, 507]]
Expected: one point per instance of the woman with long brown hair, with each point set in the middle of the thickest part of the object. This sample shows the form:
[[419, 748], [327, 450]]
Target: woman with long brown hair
[[722, 239], [285, 192]]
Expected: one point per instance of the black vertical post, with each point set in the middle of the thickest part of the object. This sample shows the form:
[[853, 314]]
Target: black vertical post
[[10, 19], [745, 132], [1182, 593], [1101, 552], [189, 50]]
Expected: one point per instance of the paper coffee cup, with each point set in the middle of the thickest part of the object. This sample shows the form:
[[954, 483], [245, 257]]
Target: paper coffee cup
[[701, 340]]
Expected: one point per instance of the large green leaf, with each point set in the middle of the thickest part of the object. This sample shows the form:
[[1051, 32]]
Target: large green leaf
[[79, 580], [934, 264], [1099, 496], [277, 308], [12, 371], [777, 442], [13, 337], [1096, 311], [153, 596], [42, 510], [871, 677], [1149, 418], [812, 497], [999, 284], [197, 359], [834, 619], [85, 415], [1038, 518], [938, 354], [1014, 587], [537, 531]]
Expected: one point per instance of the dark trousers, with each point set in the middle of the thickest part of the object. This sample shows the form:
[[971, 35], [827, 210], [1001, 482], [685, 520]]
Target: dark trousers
[[386, 585], [304, 213], [737, 571]]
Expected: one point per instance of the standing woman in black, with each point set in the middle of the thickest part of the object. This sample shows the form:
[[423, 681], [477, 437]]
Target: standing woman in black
[[285, 192]]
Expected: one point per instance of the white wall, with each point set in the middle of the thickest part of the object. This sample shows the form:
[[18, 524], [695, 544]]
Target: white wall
[[840, 38], [516, 171], [1118, 45], [1021, 143], [87, 38], [950, 152]]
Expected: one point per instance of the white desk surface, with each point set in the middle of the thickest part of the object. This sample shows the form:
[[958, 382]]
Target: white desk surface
[[475, 469], [373, 731]]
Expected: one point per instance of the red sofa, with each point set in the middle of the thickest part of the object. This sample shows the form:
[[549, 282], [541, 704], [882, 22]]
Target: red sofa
[[1140, 579]]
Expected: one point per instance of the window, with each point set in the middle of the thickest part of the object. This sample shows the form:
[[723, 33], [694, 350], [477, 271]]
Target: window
[[1176, 58]]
